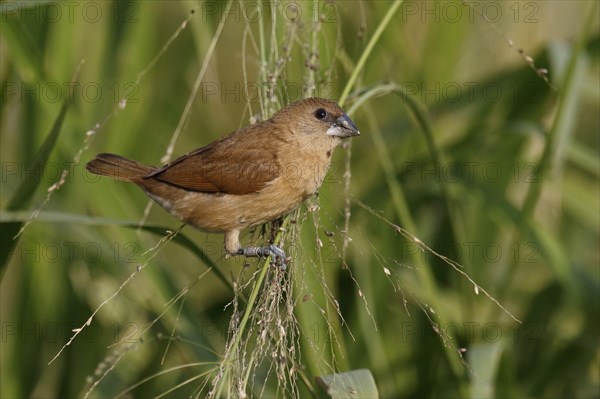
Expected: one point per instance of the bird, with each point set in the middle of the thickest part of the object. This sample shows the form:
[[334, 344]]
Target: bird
[[249, 177]]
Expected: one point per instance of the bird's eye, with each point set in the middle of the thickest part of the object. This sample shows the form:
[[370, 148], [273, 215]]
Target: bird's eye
[[320, 113]]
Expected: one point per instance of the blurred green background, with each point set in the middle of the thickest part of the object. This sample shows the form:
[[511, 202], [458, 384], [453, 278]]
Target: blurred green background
[[508, 188]]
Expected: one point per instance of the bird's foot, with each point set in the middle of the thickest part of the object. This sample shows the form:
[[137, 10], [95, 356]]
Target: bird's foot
[[278, 256]]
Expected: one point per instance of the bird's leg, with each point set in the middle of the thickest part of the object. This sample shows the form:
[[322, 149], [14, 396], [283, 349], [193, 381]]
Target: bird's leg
[[233, 247], [277, 254]]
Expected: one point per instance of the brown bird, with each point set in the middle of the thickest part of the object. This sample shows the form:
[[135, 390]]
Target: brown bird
[[249, 177]]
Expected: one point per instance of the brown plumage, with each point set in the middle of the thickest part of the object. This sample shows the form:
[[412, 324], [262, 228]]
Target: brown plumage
[[251, 176]]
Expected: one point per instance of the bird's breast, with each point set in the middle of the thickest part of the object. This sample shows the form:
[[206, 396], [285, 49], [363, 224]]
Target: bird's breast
[[303, 175]]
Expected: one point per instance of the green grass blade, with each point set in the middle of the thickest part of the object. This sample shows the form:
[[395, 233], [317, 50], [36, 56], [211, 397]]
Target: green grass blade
[[23, 47], [8, 218], [365, 54], [24, 193], [485, 358]]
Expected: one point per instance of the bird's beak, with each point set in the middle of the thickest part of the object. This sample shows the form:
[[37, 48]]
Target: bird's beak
[[343, 127]]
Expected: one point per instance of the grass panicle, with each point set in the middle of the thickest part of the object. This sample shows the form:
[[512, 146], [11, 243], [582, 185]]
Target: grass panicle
[[451, 250]]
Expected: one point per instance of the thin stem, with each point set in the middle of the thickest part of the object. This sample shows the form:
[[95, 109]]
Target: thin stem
[[398, 198], [249, 308], [363, 58]]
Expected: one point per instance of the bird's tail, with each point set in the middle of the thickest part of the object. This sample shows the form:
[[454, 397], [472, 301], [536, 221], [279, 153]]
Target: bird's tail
[[117, 167]]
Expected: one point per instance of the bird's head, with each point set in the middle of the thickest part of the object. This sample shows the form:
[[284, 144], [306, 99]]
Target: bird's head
[[318, 118]]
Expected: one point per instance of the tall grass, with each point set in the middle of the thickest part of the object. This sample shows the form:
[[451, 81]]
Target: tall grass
[[465, 152]]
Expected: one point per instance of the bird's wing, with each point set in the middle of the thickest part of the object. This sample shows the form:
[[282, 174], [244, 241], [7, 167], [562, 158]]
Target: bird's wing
[[230, 166]]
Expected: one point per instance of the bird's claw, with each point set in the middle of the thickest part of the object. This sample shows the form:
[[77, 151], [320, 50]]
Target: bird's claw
[[278, 256]]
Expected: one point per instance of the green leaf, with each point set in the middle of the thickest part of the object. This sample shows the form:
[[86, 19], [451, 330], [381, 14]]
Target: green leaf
[[351, 384], [484, 359], [23, 47], [24, 193], [9, 218]]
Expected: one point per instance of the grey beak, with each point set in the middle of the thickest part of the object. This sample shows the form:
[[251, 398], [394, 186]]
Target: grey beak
[[343, 127]]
